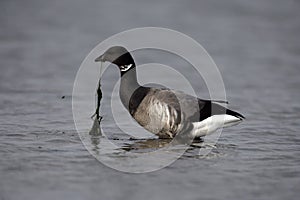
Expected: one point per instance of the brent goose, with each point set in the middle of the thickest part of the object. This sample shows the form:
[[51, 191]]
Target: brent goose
[[165, 112]]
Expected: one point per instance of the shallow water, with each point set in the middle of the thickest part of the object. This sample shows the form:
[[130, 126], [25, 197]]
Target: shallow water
[[256, 47]]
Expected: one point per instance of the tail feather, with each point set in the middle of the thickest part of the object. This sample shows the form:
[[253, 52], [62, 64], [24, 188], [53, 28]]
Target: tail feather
[[208, 109], [235, 114]]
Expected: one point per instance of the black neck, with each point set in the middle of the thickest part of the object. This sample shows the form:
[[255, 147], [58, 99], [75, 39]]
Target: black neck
[[129, 81], [128, 85]]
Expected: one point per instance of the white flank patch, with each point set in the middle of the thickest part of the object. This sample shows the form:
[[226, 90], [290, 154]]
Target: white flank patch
[[213, 123]]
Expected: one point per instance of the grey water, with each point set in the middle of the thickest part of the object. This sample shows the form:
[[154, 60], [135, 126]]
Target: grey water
[[254, 43]]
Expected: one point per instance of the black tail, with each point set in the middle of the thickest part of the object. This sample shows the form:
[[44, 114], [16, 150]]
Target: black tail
[[208, 108], [236, 114]]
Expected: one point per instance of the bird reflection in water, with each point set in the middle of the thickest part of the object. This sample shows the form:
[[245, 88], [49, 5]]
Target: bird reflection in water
[[145, 145]]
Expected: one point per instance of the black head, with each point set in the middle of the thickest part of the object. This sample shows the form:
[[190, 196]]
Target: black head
[[119, 56]]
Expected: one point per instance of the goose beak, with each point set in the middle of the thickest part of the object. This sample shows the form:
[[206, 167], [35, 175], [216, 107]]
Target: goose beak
[[100, 59]]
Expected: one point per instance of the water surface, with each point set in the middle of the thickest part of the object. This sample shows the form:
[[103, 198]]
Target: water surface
[[254, 43]]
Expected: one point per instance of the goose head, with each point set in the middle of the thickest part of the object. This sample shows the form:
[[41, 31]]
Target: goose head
[[119, 56]]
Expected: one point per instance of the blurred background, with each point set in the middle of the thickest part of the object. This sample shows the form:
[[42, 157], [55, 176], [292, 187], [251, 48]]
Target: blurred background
[[254, 43]]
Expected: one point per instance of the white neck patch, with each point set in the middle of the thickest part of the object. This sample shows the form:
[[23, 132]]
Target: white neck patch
[[125, 68]]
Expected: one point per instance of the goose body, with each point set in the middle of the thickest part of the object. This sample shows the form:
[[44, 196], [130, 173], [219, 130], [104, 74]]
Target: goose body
[[165, 112]]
